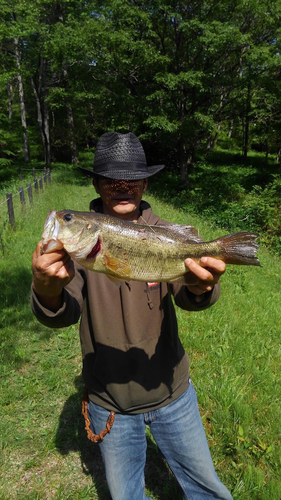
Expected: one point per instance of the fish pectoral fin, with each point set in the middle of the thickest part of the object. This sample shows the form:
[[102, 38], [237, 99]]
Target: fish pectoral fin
[[117, 266]]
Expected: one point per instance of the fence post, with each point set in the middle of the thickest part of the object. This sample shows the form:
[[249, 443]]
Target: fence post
[[49, 175], [36, 185], [10, 209], [45, 175], [34, 173], [22, 200], [29, 190], [40, 182]]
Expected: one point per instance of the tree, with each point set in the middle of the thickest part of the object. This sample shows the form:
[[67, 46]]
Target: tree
[[11, 43], [173, 73]]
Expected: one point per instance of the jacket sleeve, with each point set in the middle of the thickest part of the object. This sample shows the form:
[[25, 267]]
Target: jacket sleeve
[[187, 300], [71, 308]]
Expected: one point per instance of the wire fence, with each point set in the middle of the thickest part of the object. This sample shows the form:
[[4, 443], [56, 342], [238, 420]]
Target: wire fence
[[36, 186]]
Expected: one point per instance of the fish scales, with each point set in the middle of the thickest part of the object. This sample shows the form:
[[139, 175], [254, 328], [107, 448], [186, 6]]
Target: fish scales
[[129, 251], [143, 250]]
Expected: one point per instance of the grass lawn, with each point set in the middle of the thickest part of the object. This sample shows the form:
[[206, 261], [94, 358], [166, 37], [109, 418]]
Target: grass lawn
[[234, 351]]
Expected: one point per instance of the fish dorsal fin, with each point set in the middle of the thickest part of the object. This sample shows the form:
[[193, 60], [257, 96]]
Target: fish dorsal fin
[[189, 233]]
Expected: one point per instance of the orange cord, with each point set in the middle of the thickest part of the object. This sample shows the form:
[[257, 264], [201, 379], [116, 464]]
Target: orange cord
[[96, 438]]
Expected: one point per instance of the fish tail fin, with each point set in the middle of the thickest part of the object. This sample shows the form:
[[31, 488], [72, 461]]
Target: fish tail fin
[[240, 248]]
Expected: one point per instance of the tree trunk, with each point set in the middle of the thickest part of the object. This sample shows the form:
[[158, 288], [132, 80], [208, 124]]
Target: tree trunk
[[22, 103], [278, 156], [43, 123], [10, 97], [266, 147], [208, 150], [92, 119], [39, 115], [247, 124], [70, 119], [73, 146], [47, 131], [266, 154], [246, 138], [213, 142], [216, 136], [186, 160], [230, 129]]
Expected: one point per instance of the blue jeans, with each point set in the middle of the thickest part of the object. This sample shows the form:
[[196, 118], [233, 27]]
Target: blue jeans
[[180, 437]]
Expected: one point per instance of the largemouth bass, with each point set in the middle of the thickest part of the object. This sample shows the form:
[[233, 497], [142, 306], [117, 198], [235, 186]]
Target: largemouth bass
[[129, 251]]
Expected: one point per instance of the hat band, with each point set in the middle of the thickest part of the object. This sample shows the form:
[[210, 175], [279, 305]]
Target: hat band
[[119, 165]]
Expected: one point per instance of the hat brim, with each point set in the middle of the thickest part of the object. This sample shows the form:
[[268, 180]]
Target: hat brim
[[126, 175]]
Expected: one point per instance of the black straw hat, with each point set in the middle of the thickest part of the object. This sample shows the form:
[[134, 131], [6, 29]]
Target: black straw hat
[[120, 156]]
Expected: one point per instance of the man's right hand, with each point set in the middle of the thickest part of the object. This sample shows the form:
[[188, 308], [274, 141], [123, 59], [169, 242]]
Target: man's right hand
[[51, 273]]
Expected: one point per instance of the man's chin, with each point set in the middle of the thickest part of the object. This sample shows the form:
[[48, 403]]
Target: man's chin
[[124, 207], [125, 210]]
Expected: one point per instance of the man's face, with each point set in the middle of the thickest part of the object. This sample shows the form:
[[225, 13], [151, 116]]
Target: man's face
[[121, 198]]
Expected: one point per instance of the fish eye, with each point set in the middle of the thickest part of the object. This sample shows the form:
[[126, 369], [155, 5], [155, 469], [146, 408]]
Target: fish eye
[[67, 217]]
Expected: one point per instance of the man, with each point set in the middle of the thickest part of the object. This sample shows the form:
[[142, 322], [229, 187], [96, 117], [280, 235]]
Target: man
[[134, 366]]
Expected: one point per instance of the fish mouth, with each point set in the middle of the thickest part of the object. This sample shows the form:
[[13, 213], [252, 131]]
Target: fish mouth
[[51, 227], [50, 241]]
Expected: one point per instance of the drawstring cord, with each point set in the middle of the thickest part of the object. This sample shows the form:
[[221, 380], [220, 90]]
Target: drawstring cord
[[95, 438], [149, 301]]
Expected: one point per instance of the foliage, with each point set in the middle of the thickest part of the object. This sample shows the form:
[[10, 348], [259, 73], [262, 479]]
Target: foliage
[[175, 74], [9, 142]]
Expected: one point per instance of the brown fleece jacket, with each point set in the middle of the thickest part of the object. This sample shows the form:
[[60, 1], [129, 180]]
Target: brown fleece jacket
[[133, 359]]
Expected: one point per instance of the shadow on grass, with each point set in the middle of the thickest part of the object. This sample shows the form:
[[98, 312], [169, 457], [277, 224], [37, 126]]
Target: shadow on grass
[[71, 436]]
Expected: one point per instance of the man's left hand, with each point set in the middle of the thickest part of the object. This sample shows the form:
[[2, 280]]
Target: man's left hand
[[207, 272]]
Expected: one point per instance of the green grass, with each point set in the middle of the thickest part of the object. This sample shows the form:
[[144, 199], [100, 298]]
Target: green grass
[[234, 351]]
